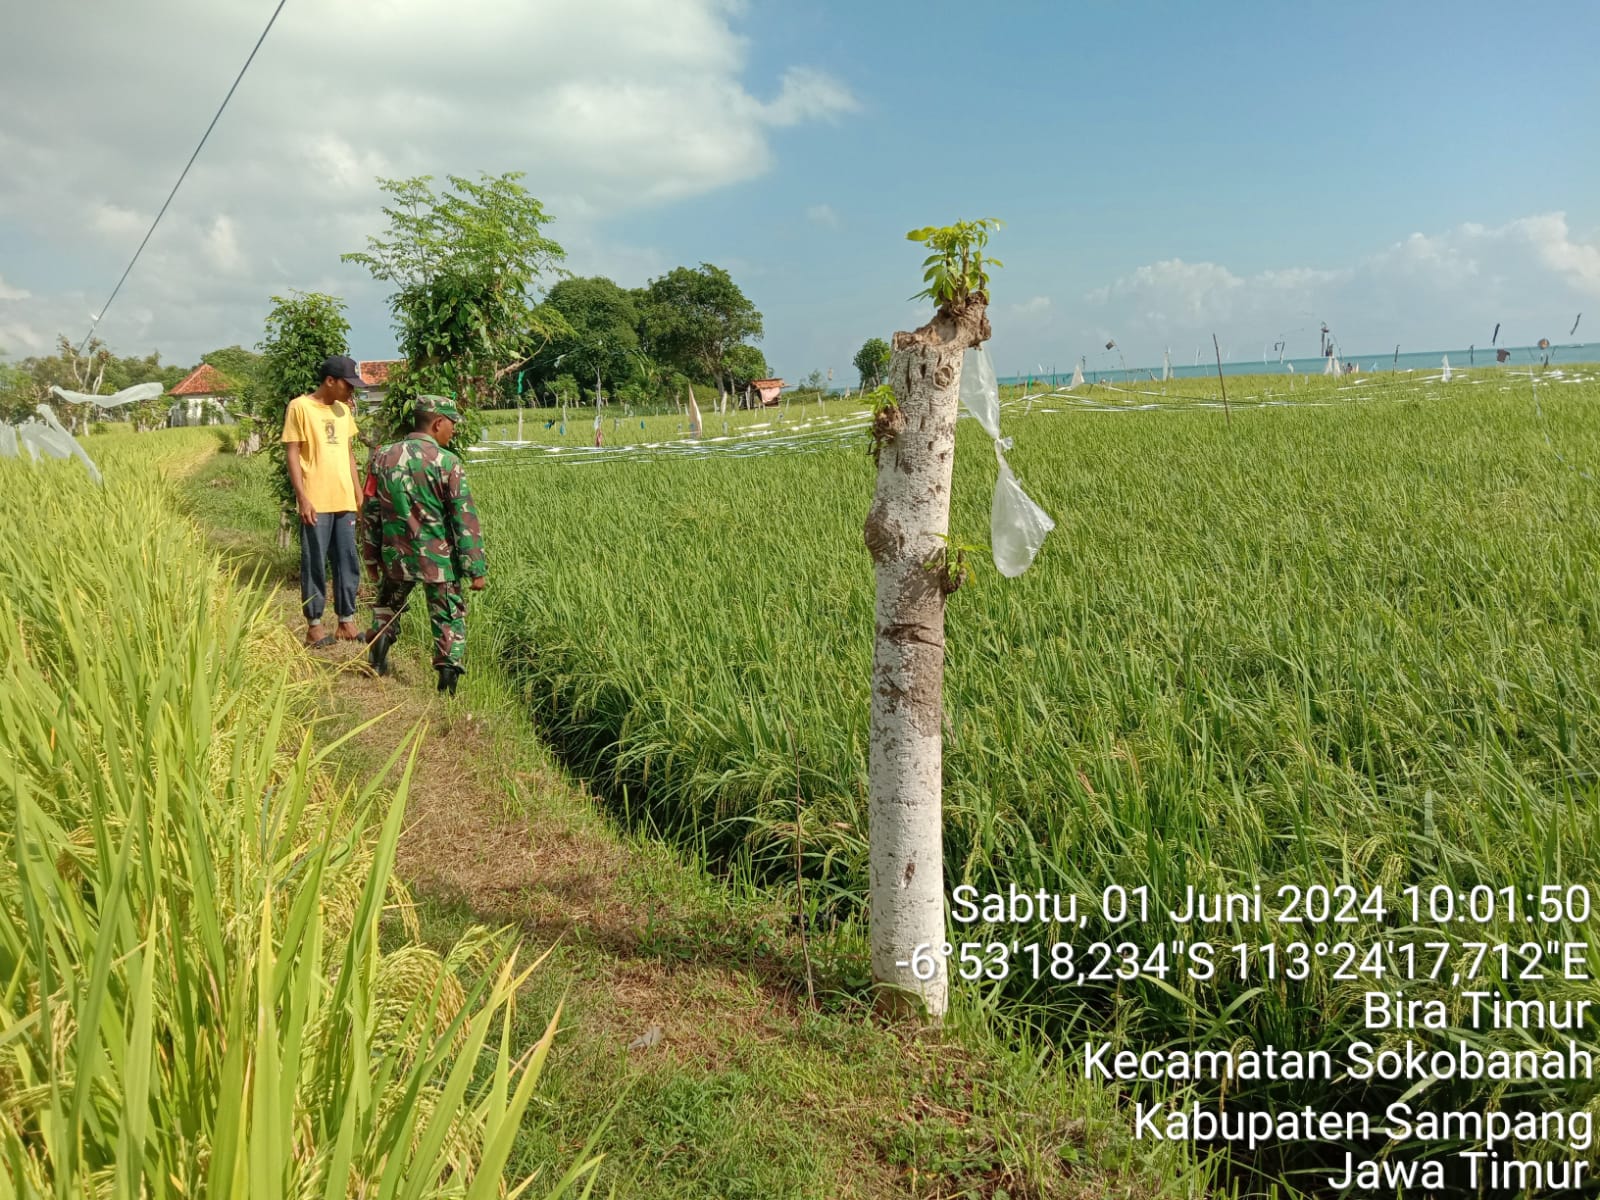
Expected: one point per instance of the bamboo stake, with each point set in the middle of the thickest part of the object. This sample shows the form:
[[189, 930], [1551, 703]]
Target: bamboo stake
[[1226, 411]]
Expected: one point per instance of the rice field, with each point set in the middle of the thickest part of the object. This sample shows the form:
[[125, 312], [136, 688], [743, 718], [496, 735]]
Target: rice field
[[210, 982], [1349, 637]]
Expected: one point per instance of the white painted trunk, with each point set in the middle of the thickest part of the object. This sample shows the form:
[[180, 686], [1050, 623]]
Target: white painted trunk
[[910, 514]]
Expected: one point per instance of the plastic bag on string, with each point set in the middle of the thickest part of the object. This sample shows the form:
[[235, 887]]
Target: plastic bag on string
[[980, 392], [1017, 526], [48, 437], [136, 394]]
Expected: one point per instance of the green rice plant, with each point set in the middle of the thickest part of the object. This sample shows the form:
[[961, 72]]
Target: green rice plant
[[210, 981], [1348, 640]]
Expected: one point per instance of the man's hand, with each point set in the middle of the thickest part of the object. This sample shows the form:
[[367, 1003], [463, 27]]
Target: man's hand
[[480, 582], [308, 514]]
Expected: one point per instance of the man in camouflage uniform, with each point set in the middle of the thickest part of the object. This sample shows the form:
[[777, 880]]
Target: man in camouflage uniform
[[420, 527]]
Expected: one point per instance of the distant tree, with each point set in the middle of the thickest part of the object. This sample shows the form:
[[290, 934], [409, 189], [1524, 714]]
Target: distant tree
[[125, 372], [96, 371], [594, 332], [15, 391], [71, 371], [464, 263], [564, 390], [814, 381], [302, 330], [743, 364], [872, 360], [693, 317], [237, 364]]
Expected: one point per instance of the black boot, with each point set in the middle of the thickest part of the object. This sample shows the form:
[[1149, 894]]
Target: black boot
[[448, 675], [378, 652]]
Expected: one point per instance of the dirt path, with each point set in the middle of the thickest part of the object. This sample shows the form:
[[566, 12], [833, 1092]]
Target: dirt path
[[494, 828], [647, 948]]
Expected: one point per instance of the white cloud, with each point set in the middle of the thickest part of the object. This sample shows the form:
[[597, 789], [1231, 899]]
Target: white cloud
[[7, 292], [824, 215], [115, 223], [222, 245], [1034, 306], [1425, 290], [20, 340], [807, 95], [607, 107], [1576, 262]]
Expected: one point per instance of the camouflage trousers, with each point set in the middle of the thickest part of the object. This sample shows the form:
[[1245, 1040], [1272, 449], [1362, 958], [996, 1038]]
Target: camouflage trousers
[[447, 614]]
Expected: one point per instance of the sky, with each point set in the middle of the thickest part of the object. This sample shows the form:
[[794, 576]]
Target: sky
[[1409, 174]]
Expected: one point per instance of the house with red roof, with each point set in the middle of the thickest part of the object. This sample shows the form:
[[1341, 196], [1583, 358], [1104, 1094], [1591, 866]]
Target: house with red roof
[[201, 397], [375, 380]]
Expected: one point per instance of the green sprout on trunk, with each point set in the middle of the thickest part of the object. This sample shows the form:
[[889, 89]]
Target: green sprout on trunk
[[956, 268]]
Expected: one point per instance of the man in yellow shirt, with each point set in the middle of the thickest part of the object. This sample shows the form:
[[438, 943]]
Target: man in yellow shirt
[[319, 434]]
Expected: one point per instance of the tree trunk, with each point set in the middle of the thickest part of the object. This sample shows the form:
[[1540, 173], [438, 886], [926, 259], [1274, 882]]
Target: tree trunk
[[910, 514]]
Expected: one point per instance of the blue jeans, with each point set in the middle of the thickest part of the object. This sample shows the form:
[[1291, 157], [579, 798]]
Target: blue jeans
[[335, 532]]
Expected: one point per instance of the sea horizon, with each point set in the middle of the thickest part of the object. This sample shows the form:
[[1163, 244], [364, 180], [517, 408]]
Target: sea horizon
[[1461, 358]]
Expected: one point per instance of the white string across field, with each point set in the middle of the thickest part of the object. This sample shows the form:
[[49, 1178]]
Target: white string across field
[[821, 433]]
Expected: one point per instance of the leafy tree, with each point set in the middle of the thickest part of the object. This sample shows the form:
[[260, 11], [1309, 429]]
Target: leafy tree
[[594, 326], [97, 371], [872, 360], [693, 317], [463, 263], [72, 372], [238, 365], [302, 330], [125, 372], [564, 391], [15, 391], [814, 381], [743, 364]]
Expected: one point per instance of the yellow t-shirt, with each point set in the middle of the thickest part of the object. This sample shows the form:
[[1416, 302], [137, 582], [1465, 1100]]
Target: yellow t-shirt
[[325, 434]]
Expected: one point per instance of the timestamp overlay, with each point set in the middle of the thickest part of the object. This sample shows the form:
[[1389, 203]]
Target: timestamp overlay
[[1378, 1040]]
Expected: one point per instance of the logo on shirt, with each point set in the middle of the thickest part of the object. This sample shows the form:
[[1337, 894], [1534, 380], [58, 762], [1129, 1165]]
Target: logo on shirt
[[331, 429]]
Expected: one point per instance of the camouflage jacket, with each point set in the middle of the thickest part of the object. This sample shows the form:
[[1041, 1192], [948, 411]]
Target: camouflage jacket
[[417, 514]]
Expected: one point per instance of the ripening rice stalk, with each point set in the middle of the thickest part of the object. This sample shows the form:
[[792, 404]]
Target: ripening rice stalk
[[1349, 641], [195, 998]]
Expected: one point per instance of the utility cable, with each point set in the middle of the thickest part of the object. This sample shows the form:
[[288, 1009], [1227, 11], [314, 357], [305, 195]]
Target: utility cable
[[181, 177]]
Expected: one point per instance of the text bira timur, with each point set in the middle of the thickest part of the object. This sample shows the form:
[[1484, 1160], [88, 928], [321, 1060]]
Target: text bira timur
[[1487, 1010]]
